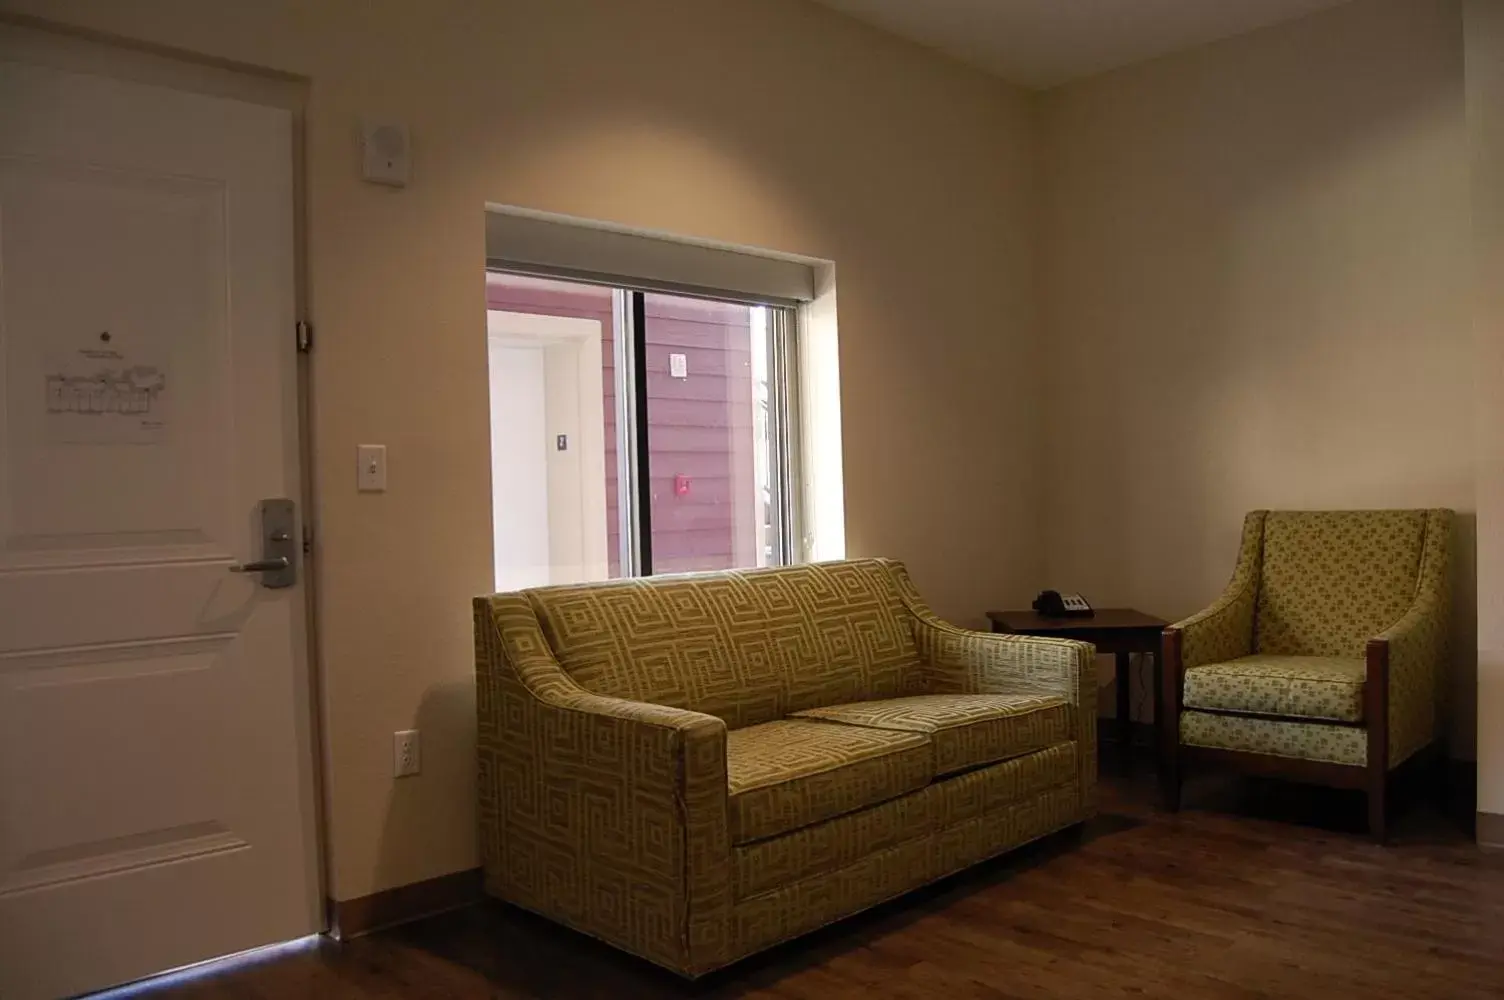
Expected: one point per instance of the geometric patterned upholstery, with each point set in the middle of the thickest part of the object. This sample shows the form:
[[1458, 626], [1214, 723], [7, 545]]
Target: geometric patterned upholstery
[[641, 778], [967, 730], [812, 850], [746, 646], [1332, 580], [796, 908], [790, 773], [1309, 687]]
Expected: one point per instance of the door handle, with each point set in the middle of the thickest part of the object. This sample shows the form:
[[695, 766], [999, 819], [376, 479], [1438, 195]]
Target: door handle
[[261, 565], [277, 565]]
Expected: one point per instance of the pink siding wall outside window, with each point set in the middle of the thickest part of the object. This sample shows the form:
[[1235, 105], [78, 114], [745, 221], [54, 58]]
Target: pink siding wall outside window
[[699, 427]]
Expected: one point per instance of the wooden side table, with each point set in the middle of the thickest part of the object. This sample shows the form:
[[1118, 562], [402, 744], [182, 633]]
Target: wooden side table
[[1120, 631]]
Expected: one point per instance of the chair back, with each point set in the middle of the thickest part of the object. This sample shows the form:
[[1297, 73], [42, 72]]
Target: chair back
[[1332, 579]]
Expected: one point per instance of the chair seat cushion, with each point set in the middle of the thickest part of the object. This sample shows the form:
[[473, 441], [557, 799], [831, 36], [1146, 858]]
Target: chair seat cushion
[[1329, 688], [968, 730], [790, 773]]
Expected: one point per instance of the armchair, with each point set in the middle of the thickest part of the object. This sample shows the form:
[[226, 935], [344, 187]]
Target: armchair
[[1325, 658]]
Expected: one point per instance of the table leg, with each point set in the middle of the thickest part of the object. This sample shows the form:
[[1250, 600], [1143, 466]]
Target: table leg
[[1124, 684], [1159, 697]]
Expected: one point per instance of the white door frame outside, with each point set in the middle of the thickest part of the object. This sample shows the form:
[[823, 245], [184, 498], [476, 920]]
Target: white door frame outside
[[573, 360]]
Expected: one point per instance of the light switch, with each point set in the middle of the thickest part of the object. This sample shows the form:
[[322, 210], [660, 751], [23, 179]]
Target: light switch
[[371, 475]]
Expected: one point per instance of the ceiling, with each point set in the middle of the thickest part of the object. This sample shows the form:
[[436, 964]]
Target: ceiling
[[1042, 43]]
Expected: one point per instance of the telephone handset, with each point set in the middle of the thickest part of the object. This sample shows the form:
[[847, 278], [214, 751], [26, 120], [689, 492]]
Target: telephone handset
[[1053, 604]]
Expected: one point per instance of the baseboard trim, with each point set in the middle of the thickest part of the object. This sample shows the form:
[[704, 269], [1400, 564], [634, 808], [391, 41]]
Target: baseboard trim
[[1491, 831], [351, 918]]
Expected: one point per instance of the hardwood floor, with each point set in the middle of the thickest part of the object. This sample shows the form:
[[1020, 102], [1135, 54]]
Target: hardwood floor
[[1253, 890]]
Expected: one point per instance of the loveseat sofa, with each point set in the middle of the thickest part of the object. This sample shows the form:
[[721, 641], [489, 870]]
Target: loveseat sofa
[[695, 768]]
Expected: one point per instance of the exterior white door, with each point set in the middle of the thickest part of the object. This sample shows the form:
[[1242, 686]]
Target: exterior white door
[[548, 449], [157, 798], [519, 467]]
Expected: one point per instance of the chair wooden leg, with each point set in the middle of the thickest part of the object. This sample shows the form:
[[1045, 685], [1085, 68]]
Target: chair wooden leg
[[1169, 775], [1169, 783], [1376, 712], [1167, 719], [1378, 810]]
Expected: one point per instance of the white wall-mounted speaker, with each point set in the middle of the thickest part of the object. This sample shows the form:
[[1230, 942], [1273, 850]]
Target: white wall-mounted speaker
[[386, 152]]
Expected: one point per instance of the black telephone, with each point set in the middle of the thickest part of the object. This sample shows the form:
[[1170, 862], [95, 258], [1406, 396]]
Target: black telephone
[[1053, 604]]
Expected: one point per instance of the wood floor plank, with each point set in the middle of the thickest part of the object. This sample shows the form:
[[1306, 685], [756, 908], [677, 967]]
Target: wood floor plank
[[1243, 896]]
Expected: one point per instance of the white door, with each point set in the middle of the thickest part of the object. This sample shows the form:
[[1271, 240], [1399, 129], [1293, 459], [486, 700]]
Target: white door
[[156, 775], [548, 449], [519, 467]]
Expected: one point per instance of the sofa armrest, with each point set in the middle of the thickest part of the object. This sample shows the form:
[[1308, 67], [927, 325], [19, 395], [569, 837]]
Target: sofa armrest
[[606, 814], [1411, 655], [958, 660]]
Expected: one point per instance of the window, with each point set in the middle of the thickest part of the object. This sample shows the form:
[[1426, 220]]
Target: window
[[637, 432]]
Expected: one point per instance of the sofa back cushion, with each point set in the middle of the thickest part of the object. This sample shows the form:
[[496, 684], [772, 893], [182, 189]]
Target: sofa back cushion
[[1331, 580], [748, 646]]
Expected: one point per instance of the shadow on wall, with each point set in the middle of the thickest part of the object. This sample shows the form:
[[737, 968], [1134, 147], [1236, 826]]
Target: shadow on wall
[[446, 721]]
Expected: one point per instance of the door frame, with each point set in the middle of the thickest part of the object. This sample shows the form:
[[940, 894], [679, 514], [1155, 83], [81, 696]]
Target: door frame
[[582, 338], [39, 42]]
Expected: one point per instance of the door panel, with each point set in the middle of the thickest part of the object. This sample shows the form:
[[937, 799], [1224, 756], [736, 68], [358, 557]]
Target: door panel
[[104, 803], [143, 601], [132, 361], [156, 787]]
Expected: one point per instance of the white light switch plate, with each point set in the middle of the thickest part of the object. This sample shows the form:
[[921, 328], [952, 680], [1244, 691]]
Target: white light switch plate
[[370, 476]]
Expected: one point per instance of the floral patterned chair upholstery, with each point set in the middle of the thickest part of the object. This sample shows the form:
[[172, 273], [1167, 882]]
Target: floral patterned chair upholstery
[[1324, 660]]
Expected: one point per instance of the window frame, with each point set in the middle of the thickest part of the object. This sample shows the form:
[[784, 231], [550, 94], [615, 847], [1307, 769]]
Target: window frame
[[635, 488], [632, 412]]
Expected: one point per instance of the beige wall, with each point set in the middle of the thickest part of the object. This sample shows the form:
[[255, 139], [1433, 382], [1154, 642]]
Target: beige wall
[[1255, 256], [769, 123], [1485, 114], [1254, 273]]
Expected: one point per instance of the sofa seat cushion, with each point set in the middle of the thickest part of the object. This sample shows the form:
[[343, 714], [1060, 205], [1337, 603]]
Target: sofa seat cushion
[[1329, 688], [968, 730], [790, 773]]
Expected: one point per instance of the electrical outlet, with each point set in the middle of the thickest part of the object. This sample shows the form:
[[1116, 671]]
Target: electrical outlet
[[407, 755]]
